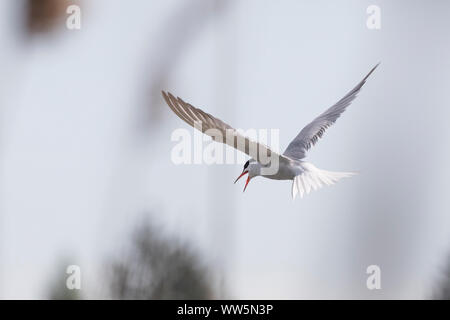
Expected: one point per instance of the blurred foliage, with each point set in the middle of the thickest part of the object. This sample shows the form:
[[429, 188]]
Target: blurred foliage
[[44, 15], [157, 267], [58, 289], [443, 287]]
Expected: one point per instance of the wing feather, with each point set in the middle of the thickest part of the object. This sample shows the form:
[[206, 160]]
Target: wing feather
[[176, 109], [315, 130], [191, 114]]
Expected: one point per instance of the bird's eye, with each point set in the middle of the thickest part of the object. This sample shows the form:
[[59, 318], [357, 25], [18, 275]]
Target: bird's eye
[[246, 164]]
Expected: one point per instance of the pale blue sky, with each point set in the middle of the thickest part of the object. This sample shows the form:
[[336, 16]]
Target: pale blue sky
[[77, 169]]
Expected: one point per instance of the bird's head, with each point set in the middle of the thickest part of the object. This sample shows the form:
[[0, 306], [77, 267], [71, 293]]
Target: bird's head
[[252, 168]]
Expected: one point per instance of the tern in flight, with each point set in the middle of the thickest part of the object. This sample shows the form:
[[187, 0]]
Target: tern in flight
[[291, 166]]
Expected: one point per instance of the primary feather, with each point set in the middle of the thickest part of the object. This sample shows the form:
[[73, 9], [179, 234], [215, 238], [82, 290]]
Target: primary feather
[[310, 134]]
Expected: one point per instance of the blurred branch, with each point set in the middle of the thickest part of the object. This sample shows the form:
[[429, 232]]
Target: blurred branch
[[177, 35]]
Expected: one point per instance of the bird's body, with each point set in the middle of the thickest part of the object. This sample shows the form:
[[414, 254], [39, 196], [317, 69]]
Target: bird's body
[[290, 164], [288, 170]]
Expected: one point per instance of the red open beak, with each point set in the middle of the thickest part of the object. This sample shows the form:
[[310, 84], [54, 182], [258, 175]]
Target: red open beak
[[242, 174], [248, 179]]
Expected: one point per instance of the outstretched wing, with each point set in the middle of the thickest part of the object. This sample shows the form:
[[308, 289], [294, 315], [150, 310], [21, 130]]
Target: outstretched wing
[[314, 130], [206, 122]]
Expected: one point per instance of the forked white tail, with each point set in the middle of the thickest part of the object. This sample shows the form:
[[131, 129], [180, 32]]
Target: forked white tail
[[315, 178]]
